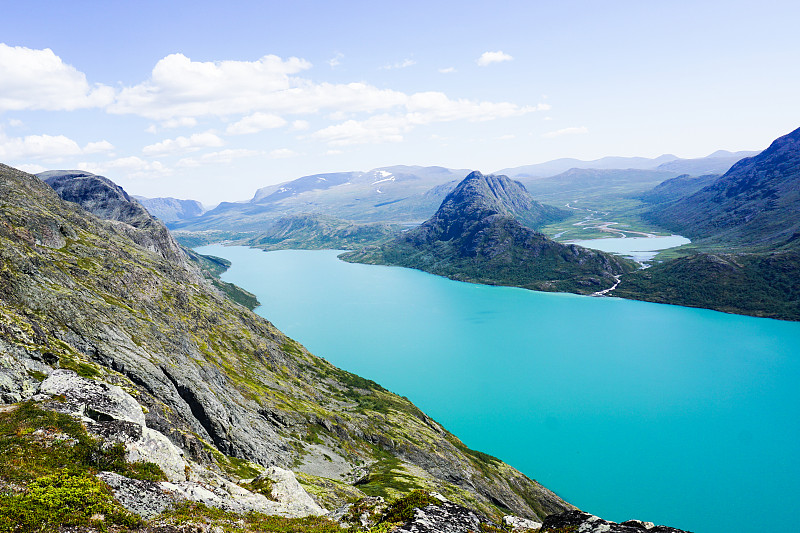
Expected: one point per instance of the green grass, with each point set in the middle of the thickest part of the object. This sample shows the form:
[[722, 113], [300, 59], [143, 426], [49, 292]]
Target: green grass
[[65, 498], [35, 442]]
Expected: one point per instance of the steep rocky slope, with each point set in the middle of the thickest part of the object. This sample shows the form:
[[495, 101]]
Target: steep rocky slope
[[476, 235], [677, 188], [755, 205], [171, 209], [113, 301]]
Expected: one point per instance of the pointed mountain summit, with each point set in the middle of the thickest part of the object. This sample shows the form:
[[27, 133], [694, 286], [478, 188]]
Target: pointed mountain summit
[[478, 235], [478, 197], [756, 204]]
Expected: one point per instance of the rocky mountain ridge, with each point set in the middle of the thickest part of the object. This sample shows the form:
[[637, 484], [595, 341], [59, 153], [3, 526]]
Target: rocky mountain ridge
[[756, 204]]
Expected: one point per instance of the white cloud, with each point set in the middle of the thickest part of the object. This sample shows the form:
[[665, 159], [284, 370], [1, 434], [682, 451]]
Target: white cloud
[[39, 79], [333, 152], [31, 168], [255, 123], [487, 58], [180, 87], [566, 131], [47, 147], [447, 70], [282, 153], [421, 108], [182, 122], [300, 125], [376, 129], [400, 64], [14, 123], [335, 60], [98, 147], [184, 144], [507, 137], [221, 157], [131, 167]]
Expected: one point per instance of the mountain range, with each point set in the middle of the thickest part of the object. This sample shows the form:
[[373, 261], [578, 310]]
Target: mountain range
[[717, 162], [398, 194]]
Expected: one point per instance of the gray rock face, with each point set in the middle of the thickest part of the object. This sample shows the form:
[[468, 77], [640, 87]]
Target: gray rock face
[[445, 518], [518, 524], [287, 490], [116, 416], [16, 382], [171, 209], [145, 498], [92, 399], [582, 522], [107, 200]]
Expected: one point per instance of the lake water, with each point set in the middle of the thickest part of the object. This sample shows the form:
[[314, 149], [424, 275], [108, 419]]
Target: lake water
[[637, 248], [685, 417]]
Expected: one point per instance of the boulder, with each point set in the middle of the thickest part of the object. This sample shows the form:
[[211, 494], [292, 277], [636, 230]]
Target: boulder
[[288, 491], [581, 522], [91, 399], [445, 518], [519, 524]]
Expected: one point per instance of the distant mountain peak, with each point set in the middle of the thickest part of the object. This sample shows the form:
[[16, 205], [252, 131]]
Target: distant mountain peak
[[481, 195]]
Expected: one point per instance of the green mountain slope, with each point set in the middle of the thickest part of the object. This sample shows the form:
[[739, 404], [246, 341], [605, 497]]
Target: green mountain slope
[[318, 232], [755, 205], [757, 284], [677, 188], [476, 235], [79, 292]]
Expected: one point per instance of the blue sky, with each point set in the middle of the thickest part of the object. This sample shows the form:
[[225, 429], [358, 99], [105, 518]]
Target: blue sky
[[212, 100]]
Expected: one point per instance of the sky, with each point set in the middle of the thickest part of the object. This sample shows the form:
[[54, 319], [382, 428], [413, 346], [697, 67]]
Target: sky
[[212, 100]]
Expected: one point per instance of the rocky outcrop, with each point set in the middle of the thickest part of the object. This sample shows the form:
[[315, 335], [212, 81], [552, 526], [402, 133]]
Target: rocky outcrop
[[115, 416], [518, 525], [580, 522], [107, 200], [446, 517]]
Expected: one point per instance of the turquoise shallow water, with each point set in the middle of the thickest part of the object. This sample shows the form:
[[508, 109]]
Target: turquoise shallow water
[[679, 416]]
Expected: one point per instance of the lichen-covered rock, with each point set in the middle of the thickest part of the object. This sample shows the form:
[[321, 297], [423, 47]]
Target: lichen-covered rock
[[581, 522], [17, 381], [114, 415], [287, 490], [444, 518], [92, 399], [145, 498], [518, 524]]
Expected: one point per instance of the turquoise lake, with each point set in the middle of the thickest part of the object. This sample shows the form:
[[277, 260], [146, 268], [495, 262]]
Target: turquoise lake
[[679, 416]]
